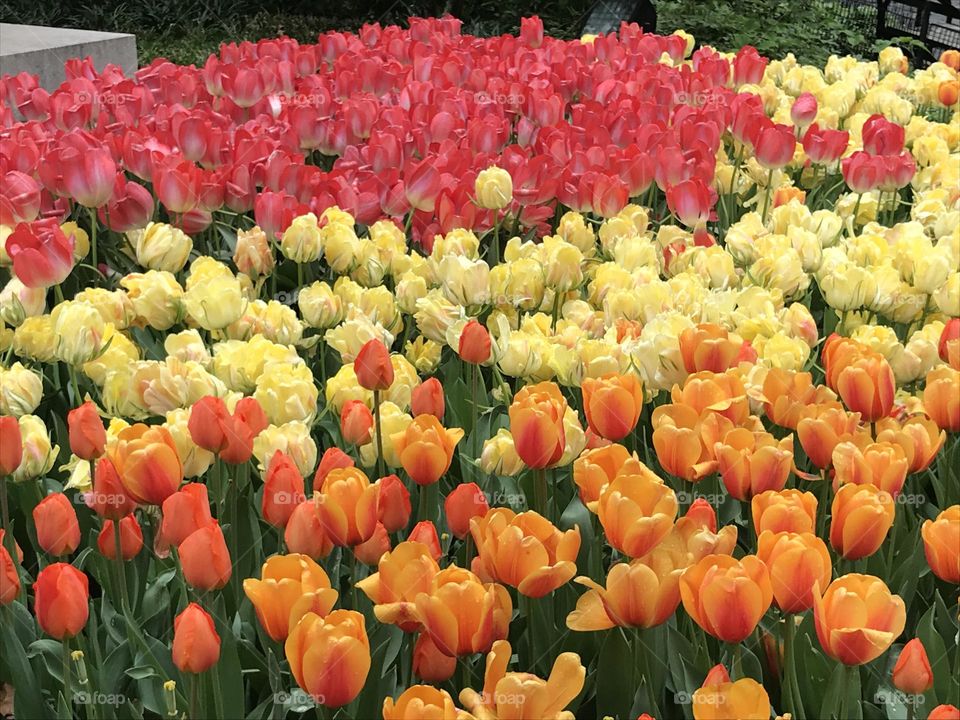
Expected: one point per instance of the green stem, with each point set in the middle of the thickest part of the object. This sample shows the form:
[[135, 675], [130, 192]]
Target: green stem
[[379, 430], [121, 572], [217, 696], [766, 195], [540, 490], [194, 681], [463, 672], [475, 440], [93, 238], [641, 661], [496, 239], [67, 690]]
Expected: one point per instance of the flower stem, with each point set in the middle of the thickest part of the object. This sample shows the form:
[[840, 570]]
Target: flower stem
[[67, 691], [121, 573], [379, 429], [540, 490]]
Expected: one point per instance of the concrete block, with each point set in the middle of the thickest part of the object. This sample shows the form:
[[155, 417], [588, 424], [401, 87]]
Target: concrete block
[[42, 51]]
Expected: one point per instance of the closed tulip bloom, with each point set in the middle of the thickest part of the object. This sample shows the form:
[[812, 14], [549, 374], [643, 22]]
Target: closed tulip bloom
[[536, 424], [305, 533], [462, 614], [402, 574], [599, 466], [429, 664], [919, 437], [146, 459], [941, 543], [11, 445], [356, 422], [861, 517], [465, 502], [425, 532], [426, 448], [184, 512], [420, 702], [288, 588], [702, 513], [427, 399], [751, 463], [61, 600], [393, 503], [87, 435], [249, 411], [282, 490], [330, 656], [727, 597], [822, 428], [612, 404], [912, 673], [55, 520], [42, 254], [636, 511], [204, 559], [9, 577], [784, 511], [370, 552], [372, 366], [944, 712], [131, 539], [475, 344], [857, 618], [208, 418], [348, 506], [795, 562], [493, 188], [239, 441], [522, 696], [941, 397], [881, 464], [196, 644], [948, 348], [744, 699], [867, 387], [525, 551], [709, 347], [108, 498], [685, 440], [333, 458]]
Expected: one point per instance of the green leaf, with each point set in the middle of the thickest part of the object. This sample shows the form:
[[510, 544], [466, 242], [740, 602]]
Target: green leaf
[[833, 694], [615, 684], [28, 699], [937, 653]]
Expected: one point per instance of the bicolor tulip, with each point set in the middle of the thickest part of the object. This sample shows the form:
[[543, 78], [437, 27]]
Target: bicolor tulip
[[402, 574], [861, 517], [612, 404], [636, 511], [305, 532], [744, 699], [598, 466], [941, 543], [795, 561], [420, 701], [725, 596], [708, 346], [857, 618], [42, 254], [330, 656], [751, 463], [426, 448], [348, 506], [788, 510], [148, 464], [881, 464], [941, 397], [289, 587], [536, 424]]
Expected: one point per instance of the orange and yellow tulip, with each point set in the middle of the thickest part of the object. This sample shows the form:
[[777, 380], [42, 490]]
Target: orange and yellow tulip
[[784, 511], [690, 541], [751, 463], [598, 466], [941, 397], [867, 386], [636, 512], [822, 428], [612, 404], [744, 699], [795, 562], [787, 394], [289, 587], [725, 596], [912, 673], [721, 393], [196, 644], [536, 424], [420, 701], [148, 464], [402, 574], [709, 347], [919, 436], [881, 464], [426, 448], [857, 618], [348, 506], [685, 440], [861, 517], [370, 552], [941, 544]]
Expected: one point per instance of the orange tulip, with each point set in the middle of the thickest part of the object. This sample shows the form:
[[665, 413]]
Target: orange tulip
[[536, 423], [131, 538], [857, 618], [402, 574], [597, 467], [721, 393], [289, 587], [867, 386], [425, 532], [356, 422], [208, 422], [330, 656], [249, 411], [474, 346], [821, 428], [426, 448], [146, 460], [941, 543], [86, 432], [751, 463], [61, 600], [912, 673], [948, 92], [204, 558], [702, 513], [55, 520], [787, 193], [525, 551], [716, 675], [708, 346], [941, 397], [108, 498], [744, 699], [612, 404], [838, 353], [420, 701], [305, 533], [184, 512], [463, 615], [430, 664], [919, 436], [9, 576], [944, 712], [786, 394], [11, 445], [333, 459], [373, 367], [727, 597], [784, 511], [685, 440], [239, 442], [949, 346], [348, 506], [393, 503], [795, 562], [636, 512], [196, 644], [427, 399], [862, 516], [370, 552], [282, 490], [465, 502], [951, 58], [690, 541], [881, 464]]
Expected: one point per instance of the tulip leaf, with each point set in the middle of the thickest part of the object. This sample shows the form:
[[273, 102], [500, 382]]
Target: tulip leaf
[[28, 699], [833, 694], [64, 711], [615, 681], [937, 653], [141, 672]]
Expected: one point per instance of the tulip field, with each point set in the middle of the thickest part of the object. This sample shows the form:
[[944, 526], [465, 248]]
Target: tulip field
[[412, 374]]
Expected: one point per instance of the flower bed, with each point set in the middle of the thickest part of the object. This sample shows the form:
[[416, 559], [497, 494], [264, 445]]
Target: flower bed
[[413, 371]]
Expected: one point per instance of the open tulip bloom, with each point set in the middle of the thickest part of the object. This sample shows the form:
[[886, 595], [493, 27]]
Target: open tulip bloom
[[413, 374]]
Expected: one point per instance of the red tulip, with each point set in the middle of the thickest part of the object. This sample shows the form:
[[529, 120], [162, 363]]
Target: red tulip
[[282, 490], [372, 366], [774, 145], [42, 255], [393, 503], [11, 445], [86, 432], [882, 137], [88, 176], [131, 539], [19, 198], [61, 600], [427, 399]]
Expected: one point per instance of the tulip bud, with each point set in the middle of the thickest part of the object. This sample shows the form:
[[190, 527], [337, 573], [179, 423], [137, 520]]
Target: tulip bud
[[108, 498], [426, 448], [282, 490], [58, 531], [131, 539], [944, 712], [87, 435], [304, 532], [204, 559], [474, 347], [463, 503], [373, 367], [912, 673], [11, 445], [61, 600], [429, 664], [718, 674], [427, 399], [207, 419], [196, 644], [332, 459], [9, 576], [703, 514], [184, 512], [426, 532], [356, 422], [804, 110], [393, 503]]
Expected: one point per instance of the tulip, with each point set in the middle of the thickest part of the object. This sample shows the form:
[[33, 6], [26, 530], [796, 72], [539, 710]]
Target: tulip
[[183, 513], [356, 422], [370, 552], [795, 562], [429, 663], [882, 137], [912, 673], [744, 699], [304, 532], [944, 712], [702, 513], [289, 587], [333, 458], [748, 66], [204, 559], [493, 188], [522, 696], [636, 511], [427, 399], [463, 615], [941, 544], [282, 490], [11, 445], [196, 644], [784, 511], [821, 428], [881, 464], [426, 448], [402, 574], [87, 436], [348, 506], [372, 366], [727, 597], [9, 575], [536, 424], [393, 503], [691, 201], [524, 551], [55, 520], [786, 395], [867, 386], [751, 463], [684, 440], [949, 346], [131, 539], [857, 618], [249, 411], [612, 404], [475, 344], [146, 460], [597, 467], [420, 701], [919, 437], [61, 600], [804, 110], [941, 397], [823, 145], [338, 652], [20, 202], [774, 145], [861, 517], [425, 533], [42, 255], [464, 503], [708, 347], [207, 424]]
